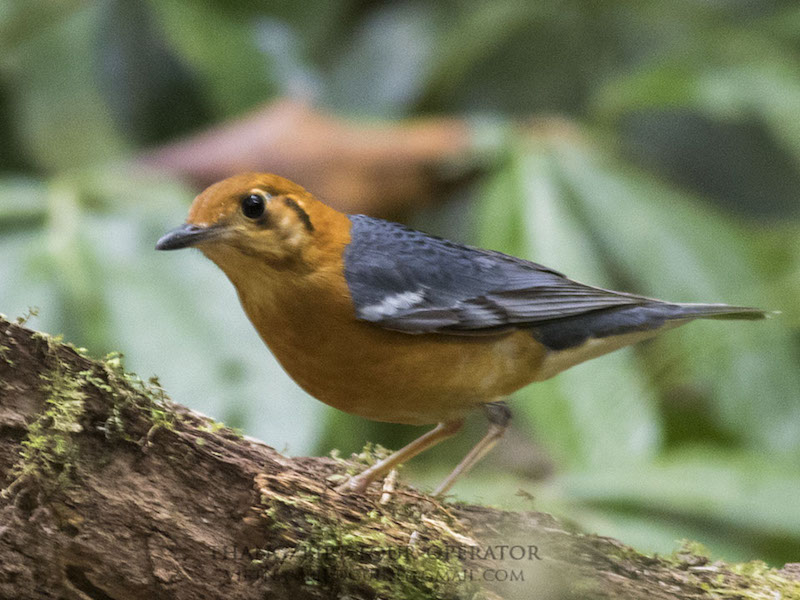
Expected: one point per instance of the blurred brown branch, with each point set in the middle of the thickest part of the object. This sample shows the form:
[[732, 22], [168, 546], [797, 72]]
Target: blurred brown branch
[[381, 168]]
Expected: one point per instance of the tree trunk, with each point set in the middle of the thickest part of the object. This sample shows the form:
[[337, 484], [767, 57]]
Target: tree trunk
[[110, 491]]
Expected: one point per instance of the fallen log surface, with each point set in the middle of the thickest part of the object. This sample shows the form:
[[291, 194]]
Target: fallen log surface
[[111, 491]]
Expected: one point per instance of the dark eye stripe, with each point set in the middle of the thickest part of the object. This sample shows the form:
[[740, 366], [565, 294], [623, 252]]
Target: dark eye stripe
[[303, 215]]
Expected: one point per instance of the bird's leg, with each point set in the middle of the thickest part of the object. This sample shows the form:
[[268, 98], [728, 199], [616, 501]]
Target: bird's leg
[[439, 433], [499, 416]]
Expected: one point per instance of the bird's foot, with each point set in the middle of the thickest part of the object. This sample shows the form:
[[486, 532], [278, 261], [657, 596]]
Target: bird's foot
[[388, 487], [354, 485]]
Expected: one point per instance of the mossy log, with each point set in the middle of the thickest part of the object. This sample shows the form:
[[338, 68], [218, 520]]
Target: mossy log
[[110, 491]]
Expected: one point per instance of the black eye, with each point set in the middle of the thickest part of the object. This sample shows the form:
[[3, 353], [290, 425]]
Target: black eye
[[253, 206]]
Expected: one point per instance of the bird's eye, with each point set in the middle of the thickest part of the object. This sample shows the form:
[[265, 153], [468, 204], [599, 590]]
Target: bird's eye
[[253, 206]]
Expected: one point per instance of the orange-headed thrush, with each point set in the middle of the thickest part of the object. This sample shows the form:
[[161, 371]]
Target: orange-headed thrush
[[391, 324]]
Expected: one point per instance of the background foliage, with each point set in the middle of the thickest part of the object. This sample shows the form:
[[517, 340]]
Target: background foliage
[[672, 169]]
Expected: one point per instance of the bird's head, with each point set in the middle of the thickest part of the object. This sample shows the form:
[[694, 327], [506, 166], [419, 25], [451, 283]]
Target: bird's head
[[251, 216]]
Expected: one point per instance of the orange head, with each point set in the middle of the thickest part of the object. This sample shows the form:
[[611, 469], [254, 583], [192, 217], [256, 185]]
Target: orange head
[[253, 216]]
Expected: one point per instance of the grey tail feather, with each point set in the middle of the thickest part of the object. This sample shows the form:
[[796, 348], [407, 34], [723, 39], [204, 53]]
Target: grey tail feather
[[559, 334], [722, 311]]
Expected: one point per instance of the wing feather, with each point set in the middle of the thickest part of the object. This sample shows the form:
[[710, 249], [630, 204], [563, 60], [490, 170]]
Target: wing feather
[[406, 280]]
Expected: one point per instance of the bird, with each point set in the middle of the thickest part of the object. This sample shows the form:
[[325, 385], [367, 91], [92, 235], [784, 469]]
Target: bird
[[395, 325]]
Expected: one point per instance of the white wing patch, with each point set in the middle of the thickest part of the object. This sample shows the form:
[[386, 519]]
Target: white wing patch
[[393, 304]]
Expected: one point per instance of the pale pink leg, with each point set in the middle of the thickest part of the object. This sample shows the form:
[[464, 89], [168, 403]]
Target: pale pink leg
[[499, 418], [441, 432]]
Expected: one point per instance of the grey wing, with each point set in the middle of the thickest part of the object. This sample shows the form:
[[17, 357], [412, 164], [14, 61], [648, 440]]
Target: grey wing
[[408, 281]]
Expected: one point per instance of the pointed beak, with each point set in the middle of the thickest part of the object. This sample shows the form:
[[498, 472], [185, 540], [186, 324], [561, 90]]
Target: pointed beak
[[185, 236]]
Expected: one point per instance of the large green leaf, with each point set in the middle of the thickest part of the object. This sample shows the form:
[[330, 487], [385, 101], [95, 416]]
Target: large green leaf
[[384, 63], [737, 498], [733, 74], [475, 33], [220, 46], [19, 19], [21, 203], [742, 491], [59, 113]]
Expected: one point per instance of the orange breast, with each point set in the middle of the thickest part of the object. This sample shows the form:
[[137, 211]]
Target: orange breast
[[384, 375]]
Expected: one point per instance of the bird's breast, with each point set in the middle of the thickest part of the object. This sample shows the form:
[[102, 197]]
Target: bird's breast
[[384, 375]]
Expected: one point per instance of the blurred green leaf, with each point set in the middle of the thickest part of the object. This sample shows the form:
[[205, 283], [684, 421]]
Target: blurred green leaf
[[22, 203], [18, 267], [385, 62], [221, 49], [742, 491], [730, 74], [153, 95], [745, 498], [671, 247], [75, 269], [477, 33], [60, 114], [19, 19]]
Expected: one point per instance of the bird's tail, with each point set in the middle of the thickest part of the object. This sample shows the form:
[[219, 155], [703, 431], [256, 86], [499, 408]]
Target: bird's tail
[[719, 311], [576, 339], [645, 319]]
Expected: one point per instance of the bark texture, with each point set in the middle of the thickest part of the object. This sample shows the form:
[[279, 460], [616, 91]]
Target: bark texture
[[110, 491]]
